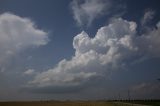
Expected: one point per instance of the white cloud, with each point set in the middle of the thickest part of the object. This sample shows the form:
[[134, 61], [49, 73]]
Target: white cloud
[[110, 49], [17, 34], [148, 16], [29, 72], [86, 11]]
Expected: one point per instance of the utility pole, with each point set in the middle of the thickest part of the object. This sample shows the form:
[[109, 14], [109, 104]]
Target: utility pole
[[119, 96], [129, 98]]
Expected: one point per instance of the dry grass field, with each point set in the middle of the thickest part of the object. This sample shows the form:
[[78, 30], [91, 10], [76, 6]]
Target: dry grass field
[[82, 103], [67, 103]]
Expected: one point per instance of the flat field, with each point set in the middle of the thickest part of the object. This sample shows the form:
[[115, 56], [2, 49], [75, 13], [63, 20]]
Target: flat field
[[81, 103], [50, 103]]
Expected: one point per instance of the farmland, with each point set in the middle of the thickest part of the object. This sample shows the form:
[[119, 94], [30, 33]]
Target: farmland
[[82, 103], [66, 103]]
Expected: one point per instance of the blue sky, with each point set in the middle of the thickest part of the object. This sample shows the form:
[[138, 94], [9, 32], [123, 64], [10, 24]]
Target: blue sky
[[79, 49]]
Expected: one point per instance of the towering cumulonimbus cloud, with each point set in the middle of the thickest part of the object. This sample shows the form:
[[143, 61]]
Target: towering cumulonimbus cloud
[[110, 49], [17, 34]]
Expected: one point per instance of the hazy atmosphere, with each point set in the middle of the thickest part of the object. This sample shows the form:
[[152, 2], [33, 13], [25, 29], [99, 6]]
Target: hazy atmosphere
[[79, 49]]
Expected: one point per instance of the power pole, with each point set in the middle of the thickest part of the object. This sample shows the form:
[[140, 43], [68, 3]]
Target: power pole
[[119, 96], [129, 98]]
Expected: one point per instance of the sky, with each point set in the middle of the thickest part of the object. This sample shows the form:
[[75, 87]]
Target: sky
[[79, 49]]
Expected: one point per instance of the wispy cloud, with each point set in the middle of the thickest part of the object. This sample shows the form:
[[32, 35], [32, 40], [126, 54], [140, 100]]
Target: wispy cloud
[[148, 16], [29, 72], [88, 10]]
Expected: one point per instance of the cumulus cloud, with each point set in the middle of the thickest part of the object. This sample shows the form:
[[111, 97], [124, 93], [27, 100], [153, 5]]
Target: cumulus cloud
[[87, 10], [112, 48], [17, 34]]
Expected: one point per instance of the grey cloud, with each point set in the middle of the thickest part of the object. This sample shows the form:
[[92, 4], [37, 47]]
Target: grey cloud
[[149, 90], [54, 89], [158, 24]]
